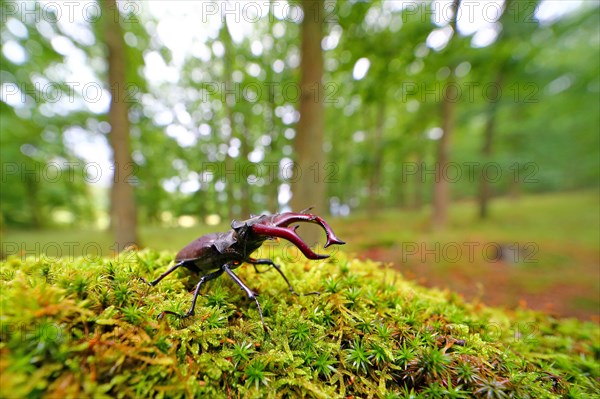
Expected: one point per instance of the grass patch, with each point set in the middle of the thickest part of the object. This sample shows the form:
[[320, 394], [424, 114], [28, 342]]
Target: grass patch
[[81, 328], [557, 263], [556, 219]]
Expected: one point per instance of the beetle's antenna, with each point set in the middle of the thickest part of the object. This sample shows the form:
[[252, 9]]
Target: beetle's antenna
[[307, 209]]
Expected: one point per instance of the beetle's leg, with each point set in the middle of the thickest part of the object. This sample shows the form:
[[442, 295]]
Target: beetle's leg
[[165, 274], [256, 268], [253, 262], [203, 279], [249, 292]]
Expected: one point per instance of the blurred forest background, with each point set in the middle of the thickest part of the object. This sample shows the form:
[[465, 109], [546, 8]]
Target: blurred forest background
[[401, 120]]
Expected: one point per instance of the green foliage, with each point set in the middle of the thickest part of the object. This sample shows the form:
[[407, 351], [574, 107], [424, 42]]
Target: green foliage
[[238, 100], [85, 328]]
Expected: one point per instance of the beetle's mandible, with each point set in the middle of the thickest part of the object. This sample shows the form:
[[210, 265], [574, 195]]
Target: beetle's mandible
[[214, 254]]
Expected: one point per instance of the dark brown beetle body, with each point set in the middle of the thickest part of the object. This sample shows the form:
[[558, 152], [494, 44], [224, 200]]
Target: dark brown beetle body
[[214, 254]]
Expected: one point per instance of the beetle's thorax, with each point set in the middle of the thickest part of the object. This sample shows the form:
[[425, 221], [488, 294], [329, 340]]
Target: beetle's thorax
[[247, 241]]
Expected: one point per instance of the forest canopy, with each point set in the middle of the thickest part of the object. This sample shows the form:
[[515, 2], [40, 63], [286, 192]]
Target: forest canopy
[[213, 90]]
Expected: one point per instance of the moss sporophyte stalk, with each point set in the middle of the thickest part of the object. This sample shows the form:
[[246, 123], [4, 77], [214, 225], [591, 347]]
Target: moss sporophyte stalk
[[88, 328]]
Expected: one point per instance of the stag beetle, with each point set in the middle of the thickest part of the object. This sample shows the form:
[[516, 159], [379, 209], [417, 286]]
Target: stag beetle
[[214, 254]]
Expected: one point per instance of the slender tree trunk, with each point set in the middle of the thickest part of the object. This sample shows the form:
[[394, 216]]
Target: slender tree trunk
[[200, 198], [271, 172], [152, 208], [246, 192], [419, 183], [32, 188], [441, 189], [399, 199], [231, 178], [485, 190], [375, 177], [123, 208], [308, 187], [486, 151], [516, 141], [514, 189]]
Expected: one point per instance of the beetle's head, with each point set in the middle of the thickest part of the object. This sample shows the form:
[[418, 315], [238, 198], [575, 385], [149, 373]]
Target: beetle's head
[[271, 226], [244, 227]]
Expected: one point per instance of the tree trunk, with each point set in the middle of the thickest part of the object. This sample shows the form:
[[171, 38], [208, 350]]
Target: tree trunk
[[32, 189], [246, 193], [123, 208], [230, 175], [375, 177], [441, 189], [308, 185], [419, 183], [486, 152], [485, 190], [271, 172]]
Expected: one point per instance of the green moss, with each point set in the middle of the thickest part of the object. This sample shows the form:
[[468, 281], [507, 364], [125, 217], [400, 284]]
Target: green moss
[[84, 328]]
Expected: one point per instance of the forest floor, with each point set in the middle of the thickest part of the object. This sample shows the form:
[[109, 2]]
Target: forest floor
[[89, 329], [550, 249], [550, 258]]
